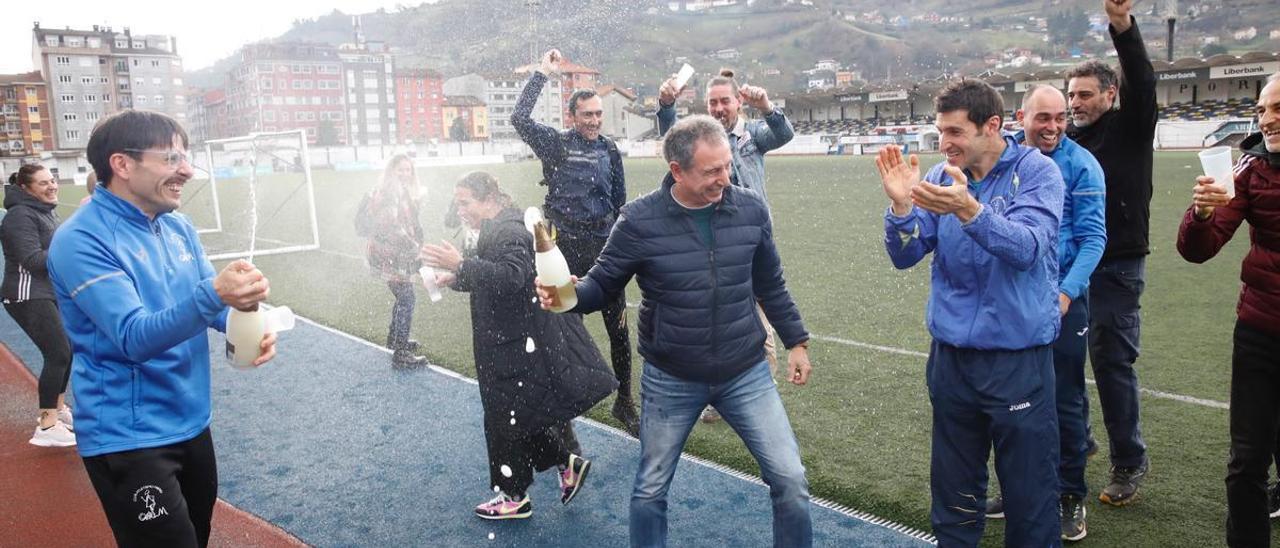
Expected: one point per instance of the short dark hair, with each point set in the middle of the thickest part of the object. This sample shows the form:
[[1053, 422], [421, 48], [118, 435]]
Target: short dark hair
[[578, 97], [978, 97], [680, 142], [129, 129], [1103, 72]]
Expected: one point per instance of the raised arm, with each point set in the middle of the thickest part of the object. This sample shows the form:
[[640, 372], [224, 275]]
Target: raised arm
[[544, 140], [1138, 110], [777, 131]]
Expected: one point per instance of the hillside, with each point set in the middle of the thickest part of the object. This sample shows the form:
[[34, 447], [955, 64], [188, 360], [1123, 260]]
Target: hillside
[[637, 42]]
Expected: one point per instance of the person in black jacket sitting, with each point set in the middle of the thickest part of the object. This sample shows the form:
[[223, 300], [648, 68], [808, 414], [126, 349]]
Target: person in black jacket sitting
[[703, 255], [536, 370]]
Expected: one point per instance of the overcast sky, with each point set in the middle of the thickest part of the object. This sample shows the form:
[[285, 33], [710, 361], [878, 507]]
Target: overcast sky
[[206, 31]]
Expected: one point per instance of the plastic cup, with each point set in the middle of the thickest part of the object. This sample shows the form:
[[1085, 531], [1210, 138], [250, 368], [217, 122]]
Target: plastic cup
[[1216, 163], [428, 275]]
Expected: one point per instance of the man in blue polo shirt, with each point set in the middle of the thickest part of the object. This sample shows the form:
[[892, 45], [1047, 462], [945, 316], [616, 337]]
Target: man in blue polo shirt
[[993, 313]]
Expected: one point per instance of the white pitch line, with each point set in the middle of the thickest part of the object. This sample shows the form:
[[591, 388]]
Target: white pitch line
[[1153, 393]]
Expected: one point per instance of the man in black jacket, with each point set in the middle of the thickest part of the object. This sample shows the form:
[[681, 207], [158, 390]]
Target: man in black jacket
[[585, 188], [702, 253], [1121, 140]]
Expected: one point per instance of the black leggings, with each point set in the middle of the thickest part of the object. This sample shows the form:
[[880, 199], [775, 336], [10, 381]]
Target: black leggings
[[42, 322], [159, 496], [523, 456]]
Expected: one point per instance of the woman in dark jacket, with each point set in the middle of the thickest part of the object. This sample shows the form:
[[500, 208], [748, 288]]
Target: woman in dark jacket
[[394, 245], [536, 370], [28, 297]]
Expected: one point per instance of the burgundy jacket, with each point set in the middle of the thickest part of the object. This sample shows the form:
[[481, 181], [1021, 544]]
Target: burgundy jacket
[[1257, 200]]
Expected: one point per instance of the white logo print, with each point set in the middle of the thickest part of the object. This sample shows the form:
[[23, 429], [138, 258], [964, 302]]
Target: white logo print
[[1019, 406], [181, 247], [1082, 331], [140, 254], [147, 494]]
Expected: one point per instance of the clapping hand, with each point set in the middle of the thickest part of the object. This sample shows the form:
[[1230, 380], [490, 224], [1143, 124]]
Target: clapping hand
[[898, 177]]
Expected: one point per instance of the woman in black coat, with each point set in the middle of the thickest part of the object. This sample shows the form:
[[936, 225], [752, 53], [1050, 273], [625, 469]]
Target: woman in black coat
[[536, 370], [27, 293]]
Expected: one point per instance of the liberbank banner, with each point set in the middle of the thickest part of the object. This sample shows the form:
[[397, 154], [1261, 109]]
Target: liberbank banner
[[1247, 70], [883, 96], [1183, 75]]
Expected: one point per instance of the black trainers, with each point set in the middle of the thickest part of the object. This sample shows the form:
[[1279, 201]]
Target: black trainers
[[405, 359], [1124, 484], [625, 412], [995, 507], [1072, 512], [1273, 499]]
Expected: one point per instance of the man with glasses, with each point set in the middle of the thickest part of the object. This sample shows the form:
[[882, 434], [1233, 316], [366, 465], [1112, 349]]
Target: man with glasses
[[137, 296], [585, 189]]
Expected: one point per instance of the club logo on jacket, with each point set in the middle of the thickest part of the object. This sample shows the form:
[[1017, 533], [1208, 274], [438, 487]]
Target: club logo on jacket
[[180, 245], [146, 495]]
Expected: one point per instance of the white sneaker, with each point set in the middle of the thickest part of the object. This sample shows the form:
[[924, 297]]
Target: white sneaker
[[64, 415], [57, 435]]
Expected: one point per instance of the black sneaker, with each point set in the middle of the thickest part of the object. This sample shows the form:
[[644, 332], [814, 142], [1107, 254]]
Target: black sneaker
[[405, 359], [1273, 499], [625, 412], [1072, 512], [1124, 484], [995, 507]]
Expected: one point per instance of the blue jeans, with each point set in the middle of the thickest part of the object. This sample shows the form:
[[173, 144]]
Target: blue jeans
[[749, 404], [1073, 399], [981, 397], [1115, 325], [401, 315]]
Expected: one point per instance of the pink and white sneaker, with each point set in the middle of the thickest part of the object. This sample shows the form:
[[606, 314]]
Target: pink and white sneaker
[[505, 507], [572, 477]]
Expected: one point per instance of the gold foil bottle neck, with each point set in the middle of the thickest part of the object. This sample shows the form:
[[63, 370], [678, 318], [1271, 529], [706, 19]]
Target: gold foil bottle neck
[[543, 237]]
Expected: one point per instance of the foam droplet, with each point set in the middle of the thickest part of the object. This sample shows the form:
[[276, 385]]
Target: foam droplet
[[497, 489], [506, 471], [490, 536], [513, 413], [513, 422], [520, 383], [528, 345]]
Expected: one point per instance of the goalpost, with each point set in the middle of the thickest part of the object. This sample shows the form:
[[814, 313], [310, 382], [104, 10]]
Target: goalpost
[[258, 199]]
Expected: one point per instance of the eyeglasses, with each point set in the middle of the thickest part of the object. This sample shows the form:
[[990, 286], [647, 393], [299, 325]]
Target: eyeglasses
[[172, 158]]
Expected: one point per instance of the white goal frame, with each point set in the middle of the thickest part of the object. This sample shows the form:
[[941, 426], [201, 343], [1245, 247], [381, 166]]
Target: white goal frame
[[252, 139]]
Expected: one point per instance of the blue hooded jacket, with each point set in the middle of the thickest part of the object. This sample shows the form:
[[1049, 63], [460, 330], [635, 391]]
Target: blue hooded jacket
[[1083, 234], [994, 281], [137, 299]]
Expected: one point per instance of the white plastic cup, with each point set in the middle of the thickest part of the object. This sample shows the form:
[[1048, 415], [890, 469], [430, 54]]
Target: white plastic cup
[[429, 281], [1216, 163]]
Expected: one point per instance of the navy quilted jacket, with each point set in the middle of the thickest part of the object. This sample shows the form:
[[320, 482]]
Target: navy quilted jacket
[[698, 302]]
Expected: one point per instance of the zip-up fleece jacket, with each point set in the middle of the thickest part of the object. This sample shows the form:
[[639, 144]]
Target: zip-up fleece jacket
[[1121, 141], [1082, 236], [758, 137], [698, 318], [585, 181], [25, 233], [1257, 200], [994, 280], [137, 299]]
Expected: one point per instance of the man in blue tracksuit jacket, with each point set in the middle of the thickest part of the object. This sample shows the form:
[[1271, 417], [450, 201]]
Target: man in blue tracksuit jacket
[[1081, 238], [990, 216], [586, 188], [137, 297]]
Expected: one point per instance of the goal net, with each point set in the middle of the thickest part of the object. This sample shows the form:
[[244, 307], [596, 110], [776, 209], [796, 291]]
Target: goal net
[[254, 196]]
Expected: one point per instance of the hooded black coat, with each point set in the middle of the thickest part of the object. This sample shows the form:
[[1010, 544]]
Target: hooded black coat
[[556, 377], [25, 234]]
